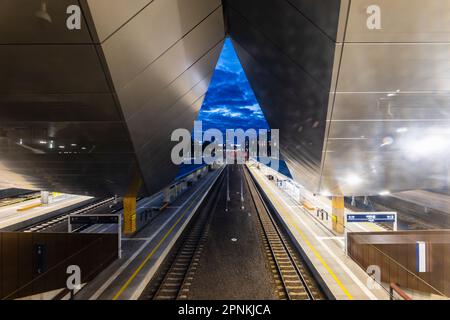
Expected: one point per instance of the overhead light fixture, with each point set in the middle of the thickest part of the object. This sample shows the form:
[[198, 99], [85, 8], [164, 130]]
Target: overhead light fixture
[[387, 141], [73, 145], [353, 180], [42, 13], [427, 146], [62, 147], [385, 193], [42, 142], [326, 193], [402, 130]]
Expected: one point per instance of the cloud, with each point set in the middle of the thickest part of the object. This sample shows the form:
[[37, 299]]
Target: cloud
[[230, 102]]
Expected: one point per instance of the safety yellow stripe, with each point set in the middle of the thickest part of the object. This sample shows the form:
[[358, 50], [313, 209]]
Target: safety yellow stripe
[[31, 206], [313, 249], [150, 255]]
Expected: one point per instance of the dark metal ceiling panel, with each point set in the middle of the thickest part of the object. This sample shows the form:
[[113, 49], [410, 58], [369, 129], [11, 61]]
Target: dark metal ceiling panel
[[289, 30], [26, 22], [60, 125], [150, 33], [157, 76], [161, 103], [67, 131], [411, 21], [291, 80], [322, 13], [51, 69], [158, 150], [383, 93], [161, 62], [110, 15], [390, 116]]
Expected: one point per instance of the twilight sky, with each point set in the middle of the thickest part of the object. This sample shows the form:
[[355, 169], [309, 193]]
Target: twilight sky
[[230, 102]]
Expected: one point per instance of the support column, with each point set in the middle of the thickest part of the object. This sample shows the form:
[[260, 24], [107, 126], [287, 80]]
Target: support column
[[338, 214], [129, 207], [44, 197]]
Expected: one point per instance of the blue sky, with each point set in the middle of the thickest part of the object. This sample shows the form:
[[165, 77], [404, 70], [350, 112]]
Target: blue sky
[[230, 102]]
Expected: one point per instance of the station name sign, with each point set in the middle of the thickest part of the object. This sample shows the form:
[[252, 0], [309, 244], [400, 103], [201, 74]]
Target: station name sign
[[371, 217], [91, 219]]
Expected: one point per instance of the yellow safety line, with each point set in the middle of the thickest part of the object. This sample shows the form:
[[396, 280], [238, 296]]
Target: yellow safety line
[[317, 254], [31, 206], [150, 255], [373, 227]]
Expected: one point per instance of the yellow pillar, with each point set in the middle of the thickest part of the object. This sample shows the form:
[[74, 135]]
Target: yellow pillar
[[129, 206], [338, 214]]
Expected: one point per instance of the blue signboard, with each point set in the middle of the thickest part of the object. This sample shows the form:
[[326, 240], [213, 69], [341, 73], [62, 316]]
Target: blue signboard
[[371, 217]]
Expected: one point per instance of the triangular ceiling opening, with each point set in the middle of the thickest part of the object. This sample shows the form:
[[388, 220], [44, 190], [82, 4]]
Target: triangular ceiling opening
[[230, 102]]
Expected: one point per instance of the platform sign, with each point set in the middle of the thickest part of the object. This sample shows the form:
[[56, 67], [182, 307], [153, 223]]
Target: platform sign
[[93, 219], [372, 217]]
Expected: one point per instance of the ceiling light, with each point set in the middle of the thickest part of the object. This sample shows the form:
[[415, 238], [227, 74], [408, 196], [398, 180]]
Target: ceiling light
[[353, 180], [427, 146], [42, 142], [326, 193], [385, 193], [387, 141], [61, 147]]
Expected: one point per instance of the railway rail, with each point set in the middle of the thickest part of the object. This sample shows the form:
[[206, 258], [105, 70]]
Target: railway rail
[[293, 278], [19, 199], [60, 219], [174, 278]]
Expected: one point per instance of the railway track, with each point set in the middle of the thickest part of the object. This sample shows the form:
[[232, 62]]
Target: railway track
[[294, 280], [174, 278], [45, 225], [19, 199]]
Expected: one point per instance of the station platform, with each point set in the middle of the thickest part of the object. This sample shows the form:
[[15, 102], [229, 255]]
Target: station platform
[[324, 249], [29, 212], [143, 253]]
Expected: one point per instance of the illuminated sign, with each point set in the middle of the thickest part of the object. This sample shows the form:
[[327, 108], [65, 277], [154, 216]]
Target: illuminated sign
[[371, 217]]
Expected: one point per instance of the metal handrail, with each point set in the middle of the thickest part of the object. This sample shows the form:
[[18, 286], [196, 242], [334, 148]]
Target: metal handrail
[[395, 288], [404, 269]]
